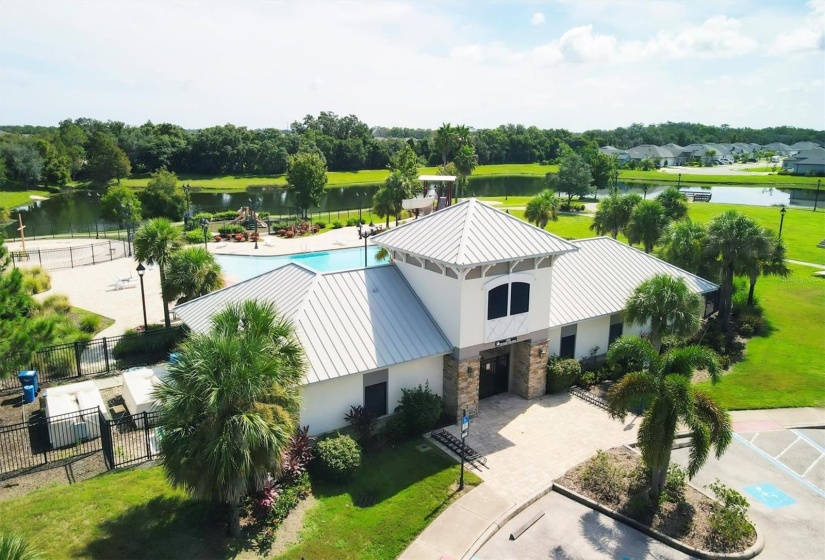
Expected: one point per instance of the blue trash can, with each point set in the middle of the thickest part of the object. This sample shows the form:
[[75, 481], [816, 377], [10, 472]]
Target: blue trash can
[[174, 358], [28, 394], [29, 378]]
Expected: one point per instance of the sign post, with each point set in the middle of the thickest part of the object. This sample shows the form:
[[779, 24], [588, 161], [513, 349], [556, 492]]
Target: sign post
[[465, 429]]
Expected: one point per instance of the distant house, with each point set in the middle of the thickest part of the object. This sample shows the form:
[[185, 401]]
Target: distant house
[[621, 155], [803, 146], [706, 153], [662, 156], [806, 162], [778, 148]]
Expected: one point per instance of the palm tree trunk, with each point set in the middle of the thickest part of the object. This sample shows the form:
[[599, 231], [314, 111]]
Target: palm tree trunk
[[753, 279], [658, 475], [388, 221], [234, 520], [725, 295], [166, 319]]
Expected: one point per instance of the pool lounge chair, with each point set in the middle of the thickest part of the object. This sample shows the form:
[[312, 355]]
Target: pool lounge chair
[[123, 283], [269, 241]]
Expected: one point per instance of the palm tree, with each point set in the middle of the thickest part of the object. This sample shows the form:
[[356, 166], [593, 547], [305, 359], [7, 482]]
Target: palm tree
[[674, 202], [709, 153], [668, 305], [542, 209], [769, 260], [665, 380], [683, 244], [15, 547], [192, 272], [461, 135], [154, 243], [733, 239], [613, 214], [465, 162], [647, 223], [383, 202], [230, 405], [445, 141]]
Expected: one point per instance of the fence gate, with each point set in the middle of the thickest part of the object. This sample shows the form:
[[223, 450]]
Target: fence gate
[[130, 439]]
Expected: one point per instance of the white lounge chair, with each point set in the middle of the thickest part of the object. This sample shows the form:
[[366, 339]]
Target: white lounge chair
[[269, 241], [123, 283]]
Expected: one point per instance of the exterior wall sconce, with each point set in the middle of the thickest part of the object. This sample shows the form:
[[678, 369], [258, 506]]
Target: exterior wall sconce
[[470, 370], [541, 352]]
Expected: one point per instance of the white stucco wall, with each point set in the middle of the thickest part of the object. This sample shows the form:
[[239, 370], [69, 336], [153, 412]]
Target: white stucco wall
[[590, 333], [440, 295], [325, 403]]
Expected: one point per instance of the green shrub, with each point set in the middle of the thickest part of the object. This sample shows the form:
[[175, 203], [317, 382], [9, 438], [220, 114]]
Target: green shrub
[[588, 379], [561, 374], [320, 225], [36, 280], [394, 430], [352, 222], [339, 457], [675, 484], [231, 229], [89, 323], [362, 422], [57, 302], [195, 236], [263, 215], [225, 215], [200, 215], [420, 409], [137, 350], [56, 364], [729, 524], [337, 225], [603, 479]]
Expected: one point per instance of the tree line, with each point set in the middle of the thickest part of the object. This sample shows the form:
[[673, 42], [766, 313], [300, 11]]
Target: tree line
[[91, 150]]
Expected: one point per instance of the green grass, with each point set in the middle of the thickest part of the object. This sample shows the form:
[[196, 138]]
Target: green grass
[[744, 179], [136, 514], [766, 169], [12, 198], [784, 368], [568, 226], [411, 489]]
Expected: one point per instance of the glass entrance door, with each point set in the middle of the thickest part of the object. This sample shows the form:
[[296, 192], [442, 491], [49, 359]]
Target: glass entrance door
[[494, 376]]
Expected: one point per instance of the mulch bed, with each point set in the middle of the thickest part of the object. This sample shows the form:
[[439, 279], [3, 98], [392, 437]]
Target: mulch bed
[[686, 522]]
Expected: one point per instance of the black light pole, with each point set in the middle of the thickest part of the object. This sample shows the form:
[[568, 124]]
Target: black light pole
[[255, 205], [645, 188], [96, 200], [141, 270], [816, 198], [366, 235], [679, 182], [188, 215], [781, 220], [205, 227]]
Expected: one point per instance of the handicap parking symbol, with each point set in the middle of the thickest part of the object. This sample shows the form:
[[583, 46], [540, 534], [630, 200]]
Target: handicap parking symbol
[[770, 495]]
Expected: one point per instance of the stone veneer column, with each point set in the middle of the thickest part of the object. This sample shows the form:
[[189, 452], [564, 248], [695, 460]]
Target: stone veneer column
[[460, 388], [529, 369]]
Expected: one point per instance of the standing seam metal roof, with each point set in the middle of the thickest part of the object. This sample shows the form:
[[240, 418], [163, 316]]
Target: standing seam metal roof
[[597, 280], [347, 322], [472, 233]]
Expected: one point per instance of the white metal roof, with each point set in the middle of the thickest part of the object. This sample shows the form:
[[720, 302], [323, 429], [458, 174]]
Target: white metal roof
[[347, 322], [437, 178], [472, 233], [597, 279]]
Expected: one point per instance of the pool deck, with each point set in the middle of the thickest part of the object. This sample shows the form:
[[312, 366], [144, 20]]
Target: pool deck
[[325, 241]]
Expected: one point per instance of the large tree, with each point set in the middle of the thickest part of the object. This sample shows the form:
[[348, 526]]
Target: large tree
[[387, 201], [542, 209], [155, 241], [573, 177], [684, 244], [667, 305], [116, 204], [445, 140], [230, 405], [767, 260], [666, 381], [613, 214], [22, 333], [405, 161], [733, 240], [163, 197], [674, 202], [647, 223], [192, 272], [105, 159], [604, 169], [465, 163], [307, 177]]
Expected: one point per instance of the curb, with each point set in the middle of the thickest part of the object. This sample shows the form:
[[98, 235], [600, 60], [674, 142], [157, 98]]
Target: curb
[[751, 552], [502, 520]]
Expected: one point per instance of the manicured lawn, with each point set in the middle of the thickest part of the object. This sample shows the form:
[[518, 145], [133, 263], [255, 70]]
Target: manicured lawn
[[785, 367], [411, 489], [12, 198], [743, 179], [568, 226], [136, 514], [766, 169]]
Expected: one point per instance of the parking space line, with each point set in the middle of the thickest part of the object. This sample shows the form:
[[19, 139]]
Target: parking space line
[[789, 446], [812, 465], [780, 465], [756, 435], [809, 440]]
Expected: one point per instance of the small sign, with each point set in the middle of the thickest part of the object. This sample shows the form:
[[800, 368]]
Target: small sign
[[465, 426], [506, 341]]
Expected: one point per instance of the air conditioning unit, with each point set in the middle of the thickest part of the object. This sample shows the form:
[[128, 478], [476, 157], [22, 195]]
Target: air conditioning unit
[[81, 431]]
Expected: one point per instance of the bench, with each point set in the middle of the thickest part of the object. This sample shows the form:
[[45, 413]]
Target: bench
[[588, 397], [452, 443]]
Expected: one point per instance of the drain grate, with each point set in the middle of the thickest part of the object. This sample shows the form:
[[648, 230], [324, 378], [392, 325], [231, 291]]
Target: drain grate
[[365, 501]]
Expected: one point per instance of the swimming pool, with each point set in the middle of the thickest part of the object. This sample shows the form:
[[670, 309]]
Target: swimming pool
[[244, 267]]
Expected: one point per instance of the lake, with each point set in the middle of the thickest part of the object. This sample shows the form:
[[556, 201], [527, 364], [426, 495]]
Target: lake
[[76, 212]]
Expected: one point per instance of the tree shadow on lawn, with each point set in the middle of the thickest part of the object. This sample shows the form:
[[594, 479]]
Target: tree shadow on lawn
[[164, 527]]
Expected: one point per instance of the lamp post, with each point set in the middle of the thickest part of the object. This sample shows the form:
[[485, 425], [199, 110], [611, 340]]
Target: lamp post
[[645, 188], [254, 206], [781, 221], [205, 227], [366, 235], [188, 215], [679, 182], [816, 198], [141, 270]]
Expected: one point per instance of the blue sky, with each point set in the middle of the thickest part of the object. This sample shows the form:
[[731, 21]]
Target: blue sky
[[561, 64]]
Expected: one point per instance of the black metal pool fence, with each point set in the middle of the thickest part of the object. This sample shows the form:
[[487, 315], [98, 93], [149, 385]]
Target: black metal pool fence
[[71, 257]]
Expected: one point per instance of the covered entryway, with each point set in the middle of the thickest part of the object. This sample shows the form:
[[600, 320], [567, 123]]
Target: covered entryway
[[494, 377]]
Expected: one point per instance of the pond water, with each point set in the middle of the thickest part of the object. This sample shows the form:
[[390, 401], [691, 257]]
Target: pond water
[[245, 267], [77, 212]]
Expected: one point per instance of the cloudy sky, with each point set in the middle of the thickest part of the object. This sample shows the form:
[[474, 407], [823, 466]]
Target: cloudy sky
[[575, 64]]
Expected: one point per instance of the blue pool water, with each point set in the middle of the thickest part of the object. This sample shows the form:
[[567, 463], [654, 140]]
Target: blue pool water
[[243, 267]]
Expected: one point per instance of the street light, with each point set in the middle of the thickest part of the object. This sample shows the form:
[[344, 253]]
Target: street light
[[679, 182], [781, 221], [645, 188], [141, 270], [816, 198], [205, 227], [254, 206], [366, 235]]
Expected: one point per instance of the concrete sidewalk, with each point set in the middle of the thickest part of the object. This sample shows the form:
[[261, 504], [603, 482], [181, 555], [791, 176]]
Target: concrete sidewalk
[[777, 418]]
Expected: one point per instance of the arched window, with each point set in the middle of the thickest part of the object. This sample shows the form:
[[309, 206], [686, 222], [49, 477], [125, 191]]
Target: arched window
[[497, 302]]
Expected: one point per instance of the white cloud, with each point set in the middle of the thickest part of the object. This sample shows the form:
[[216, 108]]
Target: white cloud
[[807, 37], [538, 19]]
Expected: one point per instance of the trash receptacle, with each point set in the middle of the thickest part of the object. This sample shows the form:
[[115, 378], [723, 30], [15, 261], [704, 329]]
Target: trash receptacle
[[174, 358], [29, 378], [28, 394]]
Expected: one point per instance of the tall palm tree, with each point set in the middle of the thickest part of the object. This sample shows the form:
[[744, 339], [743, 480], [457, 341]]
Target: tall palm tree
[[665, 380], [230, 405], [465, 161], [613, 214], [192, 272], [445, 141], [709, 153], [646, 225], [683, 244], [733, 239], [674, 202], [668, 305], [542, 209], [383, 202], [767, 260], [154, 242]]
